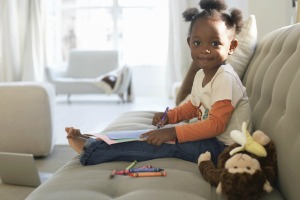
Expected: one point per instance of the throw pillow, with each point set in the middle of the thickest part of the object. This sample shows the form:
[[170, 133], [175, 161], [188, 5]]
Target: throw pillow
[[247, 39]]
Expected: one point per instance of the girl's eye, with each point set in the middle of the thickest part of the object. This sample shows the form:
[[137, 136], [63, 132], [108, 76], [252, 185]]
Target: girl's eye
[[215, 44], [196, 43]]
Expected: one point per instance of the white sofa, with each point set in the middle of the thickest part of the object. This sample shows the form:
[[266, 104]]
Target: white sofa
[[27, 117], [85, 72], [272, 79]]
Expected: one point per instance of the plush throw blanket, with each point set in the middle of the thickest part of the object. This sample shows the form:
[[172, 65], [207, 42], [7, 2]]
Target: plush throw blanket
[[112, 81]]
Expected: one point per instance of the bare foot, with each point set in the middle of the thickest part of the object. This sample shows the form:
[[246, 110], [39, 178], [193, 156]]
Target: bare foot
[[73, 132], [75, 138], [77, 143]]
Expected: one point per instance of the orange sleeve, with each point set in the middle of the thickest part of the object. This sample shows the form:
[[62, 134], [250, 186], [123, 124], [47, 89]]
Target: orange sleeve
[[216, 123], [183, 112]]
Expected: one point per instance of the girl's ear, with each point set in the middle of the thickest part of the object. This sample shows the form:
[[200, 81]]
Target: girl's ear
[[233, 45]]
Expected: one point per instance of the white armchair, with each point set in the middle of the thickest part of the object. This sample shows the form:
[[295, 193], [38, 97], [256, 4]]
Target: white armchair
[[90, 72]]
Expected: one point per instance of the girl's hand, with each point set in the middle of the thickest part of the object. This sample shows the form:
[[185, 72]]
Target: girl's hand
[[160, 136], [157, 119]]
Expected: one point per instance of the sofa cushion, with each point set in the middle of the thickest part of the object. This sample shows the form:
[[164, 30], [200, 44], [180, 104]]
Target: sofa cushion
[[183, 180], [92, 182]]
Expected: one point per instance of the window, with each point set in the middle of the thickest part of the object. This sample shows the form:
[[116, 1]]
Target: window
[[137, 28]]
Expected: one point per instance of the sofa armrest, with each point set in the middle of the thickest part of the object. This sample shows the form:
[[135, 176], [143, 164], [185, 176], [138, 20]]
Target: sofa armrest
[[27, 117]]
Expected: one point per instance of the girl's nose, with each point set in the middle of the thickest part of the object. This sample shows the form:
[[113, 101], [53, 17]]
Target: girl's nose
[[206, 51]]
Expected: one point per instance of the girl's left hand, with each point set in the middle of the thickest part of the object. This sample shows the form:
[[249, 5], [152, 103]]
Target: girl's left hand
[[160, 136]]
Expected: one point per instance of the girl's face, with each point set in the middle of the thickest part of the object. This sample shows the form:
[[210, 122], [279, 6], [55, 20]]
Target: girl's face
[[210, 43]]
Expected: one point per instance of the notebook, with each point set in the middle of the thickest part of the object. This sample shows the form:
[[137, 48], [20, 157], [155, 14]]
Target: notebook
[[20, 169], [121, 136]]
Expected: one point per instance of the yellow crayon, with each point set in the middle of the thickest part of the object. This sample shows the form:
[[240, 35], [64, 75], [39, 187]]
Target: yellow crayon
[[148, 174], [131, 165]]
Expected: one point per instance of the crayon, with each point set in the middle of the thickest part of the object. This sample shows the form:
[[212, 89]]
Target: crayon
[[148, 174], [122, 172], [113, 173], [131, 165], [134, 170], [159, 125], [146, 166], [145, 170]]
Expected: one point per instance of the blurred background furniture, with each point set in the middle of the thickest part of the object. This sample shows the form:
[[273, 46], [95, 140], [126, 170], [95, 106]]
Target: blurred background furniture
[[26, 119], [86, 71]]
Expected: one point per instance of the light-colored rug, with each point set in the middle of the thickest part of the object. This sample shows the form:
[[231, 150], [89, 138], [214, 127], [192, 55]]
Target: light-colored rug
[[61, 154]]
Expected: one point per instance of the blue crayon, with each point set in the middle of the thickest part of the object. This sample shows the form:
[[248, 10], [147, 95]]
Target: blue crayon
[[145, 170]]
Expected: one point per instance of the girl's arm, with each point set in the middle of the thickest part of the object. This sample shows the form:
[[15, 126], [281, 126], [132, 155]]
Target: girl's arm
[[187, 83], [215, 124], [183, 112]]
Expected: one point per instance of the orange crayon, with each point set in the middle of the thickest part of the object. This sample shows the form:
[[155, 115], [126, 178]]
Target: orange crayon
[[148, 174]]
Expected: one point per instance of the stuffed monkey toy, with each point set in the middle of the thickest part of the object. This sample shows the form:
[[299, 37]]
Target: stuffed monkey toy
[[245, 169]]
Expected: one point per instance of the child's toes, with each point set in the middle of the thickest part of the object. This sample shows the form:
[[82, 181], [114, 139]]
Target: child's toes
[[69, 137]]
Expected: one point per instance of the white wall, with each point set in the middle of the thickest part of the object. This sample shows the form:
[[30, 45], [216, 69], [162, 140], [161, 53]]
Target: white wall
[[240, 4], [149, 81], [271, 14]]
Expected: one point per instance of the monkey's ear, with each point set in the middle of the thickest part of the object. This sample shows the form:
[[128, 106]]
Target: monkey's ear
[[219, 188]]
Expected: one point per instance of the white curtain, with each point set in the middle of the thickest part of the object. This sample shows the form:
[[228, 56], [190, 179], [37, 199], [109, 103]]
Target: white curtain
[[179, 58], [22, 40]]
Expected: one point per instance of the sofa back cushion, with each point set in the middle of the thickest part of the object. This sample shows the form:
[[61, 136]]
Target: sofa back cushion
[[272, 80], [91, 64]]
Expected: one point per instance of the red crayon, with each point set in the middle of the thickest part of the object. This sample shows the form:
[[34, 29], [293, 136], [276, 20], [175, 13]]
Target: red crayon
[[122, 172]]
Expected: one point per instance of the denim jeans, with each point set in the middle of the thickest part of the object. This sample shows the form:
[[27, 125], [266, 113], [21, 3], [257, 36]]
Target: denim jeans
[[96, 152]]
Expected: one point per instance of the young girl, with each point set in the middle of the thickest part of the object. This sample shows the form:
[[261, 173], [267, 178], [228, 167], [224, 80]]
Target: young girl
[[219, 99]]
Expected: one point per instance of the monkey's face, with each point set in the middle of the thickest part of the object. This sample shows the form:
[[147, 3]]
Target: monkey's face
[[242, 163]]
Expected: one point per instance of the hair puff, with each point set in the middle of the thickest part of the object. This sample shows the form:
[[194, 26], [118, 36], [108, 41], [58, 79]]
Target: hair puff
[[237, 18], [215, 9], [190, 13], [218, 5]]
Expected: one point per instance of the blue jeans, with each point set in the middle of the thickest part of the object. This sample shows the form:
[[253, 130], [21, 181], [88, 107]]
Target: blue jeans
[[96, 152]]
